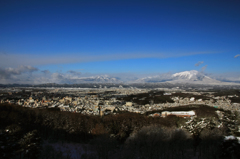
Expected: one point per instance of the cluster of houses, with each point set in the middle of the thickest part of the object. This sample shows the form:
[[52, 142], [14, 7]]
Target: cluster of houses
[[98, 102]]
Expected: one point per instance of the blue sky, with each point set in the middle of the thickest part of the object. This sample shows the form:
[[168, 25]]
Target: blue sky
[[110, 37]]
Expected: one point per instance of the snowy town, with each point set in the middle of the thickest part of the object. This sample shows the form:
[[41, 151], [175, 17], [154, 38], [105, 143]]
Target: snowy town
[[90, 122], [112, 100]]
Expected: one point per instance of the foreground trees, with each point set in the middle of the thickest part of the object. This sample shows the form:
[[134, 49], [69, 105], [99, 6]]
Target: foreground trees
[[126, 135]]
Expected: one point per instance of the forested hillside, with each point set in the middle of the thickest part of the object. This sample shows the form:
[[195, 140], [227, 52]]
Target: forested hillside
[[25, 131]]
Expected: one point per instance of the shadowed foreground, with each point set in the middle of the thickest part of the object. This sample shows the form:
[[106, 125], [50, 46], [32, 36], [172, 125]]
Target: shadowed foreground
[[45, 133]]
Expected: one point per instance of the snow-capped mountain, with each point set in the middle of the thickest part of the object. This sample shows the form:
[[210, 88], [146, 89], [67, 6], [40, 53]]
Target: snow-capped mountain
[[192, 77], [98, 79], [187, 75], [154, 79], [181, 77]]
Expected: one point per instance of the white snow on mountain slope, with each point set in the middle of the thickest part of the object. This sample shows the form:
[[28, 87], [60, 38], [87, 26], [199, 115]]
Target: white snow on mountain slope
[[154, 79], [181, 77], [97, 79], [192, 76], [186, 74]]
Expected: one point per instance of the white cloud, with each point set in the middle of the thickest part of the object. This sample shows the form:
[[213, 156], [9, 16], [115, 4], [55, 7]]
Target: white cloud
[[199, 63], [236, 55], [74, 72], [227, 77], [45, 72], [203, 68], [9, 72]]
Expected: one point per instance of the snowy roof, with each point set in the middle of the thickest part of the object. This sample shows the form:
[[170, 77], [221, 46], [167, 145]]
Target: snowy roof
[[181, 112]]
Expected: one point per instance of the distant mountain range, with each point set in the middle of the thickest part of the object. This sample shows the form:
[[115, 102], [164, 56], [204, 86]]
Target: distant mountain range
[[188, 77], [98, 79], [181, 77]]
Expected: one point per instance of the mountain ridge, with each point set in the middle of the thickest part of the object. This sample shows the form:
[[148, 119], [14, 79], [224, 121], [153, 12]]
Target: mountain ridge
[[188, 77], [192, 76]]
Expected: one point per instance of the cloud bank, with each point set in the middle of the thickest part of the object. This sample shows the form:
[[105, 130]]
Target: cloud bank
[[45, 72], [14, 60], [9, 72]]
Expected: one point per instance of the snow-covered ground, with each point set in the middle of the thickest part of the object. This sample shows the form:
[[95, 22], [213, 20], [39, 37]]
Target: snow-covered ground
[[71, 150]]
